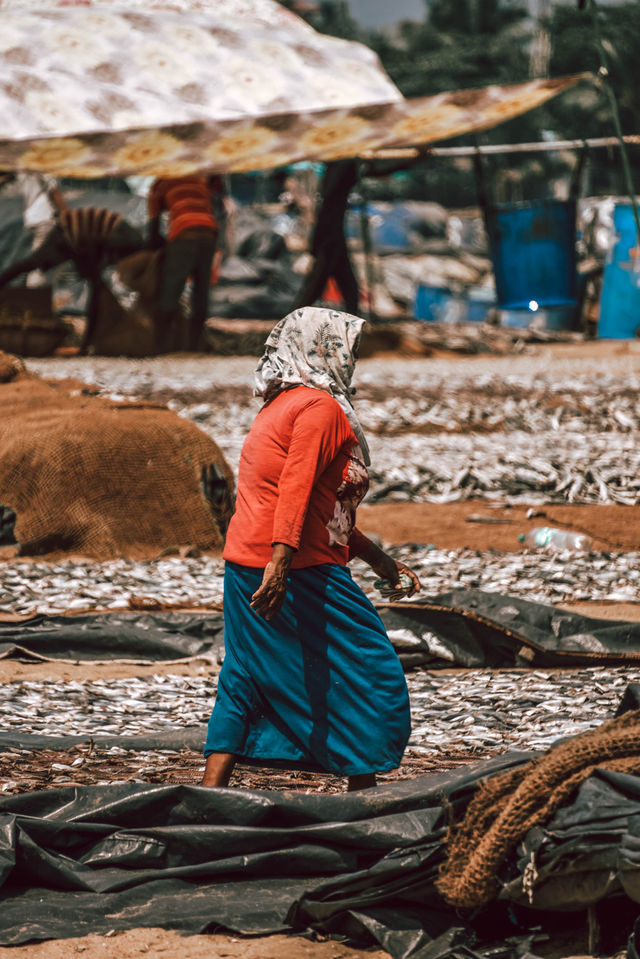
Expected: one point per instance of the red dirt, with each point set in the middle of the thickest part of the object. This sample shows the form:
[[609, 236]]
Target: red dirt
[[447, 526]]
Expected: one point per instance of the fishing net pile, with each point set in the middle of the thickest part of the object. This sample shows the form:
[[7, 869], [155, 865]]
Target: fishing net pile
[[506, 806], [105, 479]]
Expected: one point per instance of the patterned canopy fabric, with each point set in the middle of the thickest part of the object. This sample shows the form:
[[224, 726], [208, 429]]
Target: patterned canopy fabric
[[168, 87]]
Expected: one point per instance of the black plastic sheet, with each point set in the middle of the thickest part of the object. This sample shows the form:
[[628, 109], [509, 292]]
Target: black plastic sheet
[[144, 637], [633, 946], [76, 860], [588, 852], [474, 628], [462, 627], [90, 859], [186, 737]]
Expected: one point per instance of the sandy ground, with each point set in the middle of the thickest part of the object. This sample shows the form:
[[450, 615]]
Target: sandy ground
[[476, 524], [160, 942], [135, 943]]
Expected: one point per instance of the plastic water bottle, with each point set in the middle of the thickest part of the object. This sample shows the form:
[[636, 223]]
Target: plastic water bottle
[[549, 537]]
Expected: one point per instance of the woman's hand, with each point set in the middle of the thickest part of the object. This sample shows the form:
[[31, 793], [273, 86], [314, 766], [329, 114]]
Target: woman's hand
[[402, 578], [269, 597], [390, 569]]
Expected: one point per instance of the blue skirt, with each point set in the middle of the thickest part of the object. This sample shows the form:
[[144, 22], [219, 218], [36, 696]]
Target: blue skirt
[[319, 687]]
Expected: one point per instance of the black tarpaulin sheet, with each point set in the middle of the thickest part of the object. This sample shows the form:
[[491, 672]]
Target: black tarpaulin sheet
[[588, 851], [187, 737], [462, 627], [154, 637], [94, 858], [472, 628], [77, 860]]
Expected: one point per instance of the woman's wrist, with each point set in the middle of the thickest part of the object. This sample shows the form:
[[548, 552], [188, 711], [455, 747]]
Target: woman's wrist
[[371, 553], [282, 555]]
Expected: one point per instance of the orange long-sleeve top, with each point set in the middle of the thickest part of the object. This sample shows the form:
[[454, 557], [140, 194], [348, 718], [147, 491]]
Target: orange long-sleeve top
[[299, 481], [187, 200]]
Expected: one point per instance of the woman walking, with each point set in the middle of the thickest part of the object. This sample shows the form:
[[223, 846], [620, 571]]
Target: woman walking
[[310, 678]]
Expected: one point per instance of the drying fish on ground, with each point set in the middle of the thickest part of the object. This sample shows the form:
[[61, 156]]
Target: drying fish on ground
[[531, 432], [195, 583], [516, 467], [24, 770], [463, 711]]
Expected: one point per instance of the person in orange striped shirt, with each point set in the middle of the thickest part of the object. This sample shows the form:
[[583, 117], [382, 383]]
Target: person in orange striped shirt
[[188, 252]]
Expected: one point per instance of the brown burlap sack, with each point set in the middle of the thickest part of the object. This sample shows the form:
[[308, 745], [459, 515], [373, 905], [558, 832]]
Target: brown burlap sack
[[506, 806], [90, 476], [140, 272], [10, 367], [121, 331]]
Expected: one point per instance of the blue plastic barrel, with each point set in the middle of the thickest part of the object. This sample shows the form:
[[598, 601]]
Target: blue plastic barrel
[[431, 303], [620, 300], [533, 250], [438, 304]]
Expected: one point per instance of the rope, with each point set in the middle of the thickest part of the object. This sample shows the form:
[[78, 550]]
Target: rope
[[505, 807]]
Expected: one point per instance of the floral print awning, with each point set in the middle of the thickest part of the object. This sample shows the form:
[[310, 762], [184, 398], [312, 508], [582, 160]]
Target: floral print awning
[[84, 68], [168, 87], [266, 142]]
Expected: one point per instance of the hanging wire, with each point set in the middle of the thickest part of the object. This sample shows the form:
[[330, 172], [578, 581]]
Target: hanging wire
[[605, 82]]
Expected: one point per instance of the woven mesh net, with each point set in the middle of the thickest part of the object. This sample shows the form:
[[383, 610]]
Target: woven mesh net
[[105, 479], [506, 806]]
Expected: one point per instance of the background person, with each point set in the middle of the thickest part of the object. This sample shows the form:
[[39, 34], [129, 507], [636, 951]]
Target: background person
[[328, 241], [310, 676], [188, 252]]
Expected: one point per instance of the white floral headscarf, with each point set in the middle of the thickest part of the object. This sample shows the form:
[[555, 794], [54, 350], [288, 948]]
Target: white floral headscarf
[[313, 347]]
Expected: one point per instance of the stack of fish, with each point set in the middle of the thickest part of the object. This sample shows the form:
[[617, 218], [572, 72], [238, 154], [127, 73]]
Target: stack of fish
[[565, 435], [463, 712], [543, 577]]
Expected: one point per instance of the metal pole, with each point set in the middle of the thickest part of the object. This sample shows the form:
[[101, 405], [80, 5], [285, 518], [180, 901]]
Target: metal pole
[[603, 74], [536, 146]]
